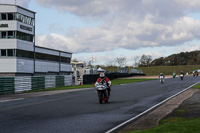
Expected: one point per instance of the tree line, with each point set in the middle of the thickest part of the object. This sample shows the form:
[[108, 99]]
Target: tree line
[[183, 58]]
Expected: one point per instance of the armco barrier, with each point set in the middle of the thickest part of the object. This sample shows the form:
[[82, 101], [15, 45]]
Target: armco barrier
[[6, 85], [38, 83], [59, 81], [68, 80], [50, 82], [23, 84], [91, 78], [27, 83]]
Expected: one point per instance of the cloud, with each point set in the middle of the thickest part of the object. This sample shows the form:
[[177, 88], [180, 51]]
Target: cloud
[[126, 34], [94, 8], [129, 24], [189, 47]]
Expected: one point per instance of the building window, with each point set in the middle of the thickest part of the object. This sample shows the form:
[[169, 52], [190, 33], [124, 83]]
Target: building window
[[7, 52], [24, 36], [3, 34], [11, 34], [3, 16], [3, 52], [32, 22], [17, 35], [25, 54], [42, 56], [10, 52], [65, 59], [10, 16]]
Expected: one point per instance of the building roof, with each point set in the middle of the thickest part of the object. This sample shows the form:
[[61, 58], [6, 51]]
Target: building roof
[[53, 49], [18, 7]]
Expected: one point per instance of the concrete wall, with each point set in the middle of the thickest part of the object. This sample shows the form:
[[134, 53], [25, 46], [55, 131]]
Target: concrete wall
[[25, 45], [45, 66], [8, 43], [16, 44], [66, 67], [25, 31], [8, 64], [14, 25], [25, 66]]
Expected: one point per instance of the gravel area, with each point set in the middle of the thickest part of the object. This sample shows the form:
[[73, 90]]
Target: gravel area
[[188, 101]]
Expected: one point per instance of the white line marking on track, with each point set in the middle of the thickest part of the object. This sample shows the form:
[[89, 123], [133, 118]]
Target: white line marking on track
[[8, 100]]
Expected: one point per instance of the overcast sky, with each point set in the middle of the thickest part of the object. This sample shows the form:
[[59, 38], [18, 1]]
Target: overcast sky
[[106, 29]]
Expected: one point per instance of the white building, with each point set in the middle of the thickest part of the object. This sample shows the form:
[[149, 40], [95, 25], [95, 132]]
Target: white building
[[78, 69], [19, 56]]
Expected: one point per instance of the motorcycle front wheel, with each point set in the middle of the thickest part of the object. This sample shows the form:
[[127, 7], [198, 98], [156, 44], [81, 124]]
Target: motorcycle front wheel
[[100, 97]]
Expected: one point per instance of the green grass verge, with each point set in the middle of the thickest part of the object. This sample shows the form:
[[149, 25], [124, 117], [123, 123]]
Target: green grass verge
[[174, 125], [126, 81], [114, 82], [167, 70], [197, 86]]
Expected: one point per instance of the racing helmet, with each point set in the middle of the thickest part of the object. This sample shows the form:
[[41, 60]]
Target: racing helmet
[[102, 75]]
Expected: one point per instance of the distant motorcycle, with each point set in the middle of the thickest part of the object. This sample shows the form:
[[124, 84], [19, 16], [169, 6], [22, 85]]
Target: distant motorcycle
[[181, 76], [101, 88], [161, 79], [174, 75], [193, 74]]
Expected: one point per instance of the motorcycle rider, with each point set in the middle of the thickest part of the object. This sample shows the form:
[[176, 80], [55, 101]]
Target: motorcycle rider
[[174, 74], [196, 73], [193, 73], [182, 73], [108, 82], [161, 74]]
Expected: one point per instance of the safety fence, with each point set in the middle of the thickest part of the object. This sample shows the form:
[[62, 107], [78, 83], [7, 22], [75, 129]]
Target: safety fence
[[21, 84], [91, 78]]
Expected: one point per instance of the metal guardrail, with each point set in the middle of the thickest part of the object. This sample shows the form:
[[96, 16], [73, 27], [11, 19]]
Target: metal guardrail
[[20, 84]]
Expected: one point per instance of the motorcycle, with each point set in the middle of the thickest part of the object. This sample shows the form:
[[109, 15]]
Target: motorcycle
[[181, 76], [194, 74], [161, 79], [101, 88], [174, 75]]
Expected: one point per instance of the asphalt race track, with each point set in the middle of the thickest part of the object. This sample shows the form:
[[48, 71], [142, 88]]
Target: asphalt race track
[[80, 111]]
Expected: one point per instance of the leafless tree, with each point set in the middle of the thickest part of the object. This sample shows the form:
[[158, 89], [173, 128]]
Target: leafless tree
[[121, 61], [110, 63], [136, 61]]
